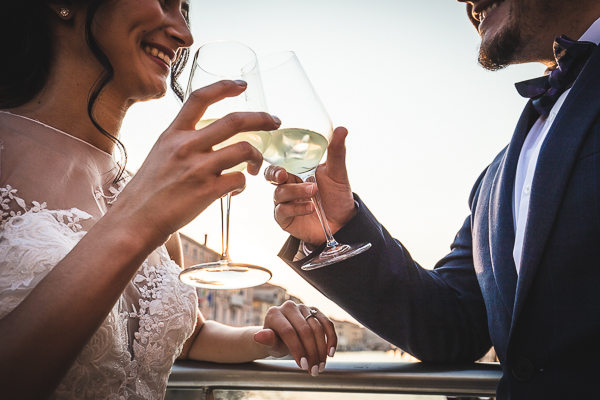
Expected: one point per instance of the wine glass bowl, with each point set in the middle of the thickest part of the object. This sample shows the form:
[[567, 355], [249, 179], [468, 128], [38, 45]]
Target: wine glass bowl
[[302, 139]]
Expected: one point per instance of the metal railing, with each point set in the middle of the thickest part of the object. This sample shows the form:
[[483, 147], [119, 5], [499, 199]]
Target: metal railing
[[202, 378]]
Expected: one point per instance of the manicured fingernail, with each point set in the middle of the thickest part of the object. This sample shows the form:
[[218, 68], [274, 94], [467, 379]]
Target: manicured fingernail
[[331, 351], [304, 364], [276, 119], [314, 371], [310, 189], [322, 367], [241, 83]]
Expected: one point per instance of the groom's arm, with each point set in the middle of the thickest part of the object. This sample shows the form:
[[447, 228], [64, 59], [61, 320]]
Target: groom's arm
[[436, 315]]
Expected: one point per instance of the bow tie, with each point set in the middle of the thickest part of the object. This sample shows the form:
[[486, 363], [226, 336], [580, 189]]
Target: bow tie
[[571, 56]]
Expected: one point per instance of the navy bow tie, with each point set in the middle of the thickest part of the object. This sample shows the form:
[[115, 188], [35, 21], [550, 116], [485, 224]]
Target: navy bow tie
[[571, 56]]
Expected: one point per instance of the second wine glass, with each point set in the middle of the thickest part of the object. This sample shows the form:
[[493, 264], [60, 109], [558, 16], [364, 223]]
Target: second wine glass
[[300, 142], [214, 62]]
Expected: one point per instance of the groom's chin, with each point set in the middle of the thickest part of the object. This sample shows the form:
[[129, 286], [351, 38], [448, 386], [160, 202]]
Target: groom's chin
[[500, 51]]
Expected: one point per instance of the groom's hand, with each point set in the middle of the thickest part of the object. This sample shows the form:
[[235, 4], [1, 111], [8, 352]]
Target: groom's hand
[[294, 211]]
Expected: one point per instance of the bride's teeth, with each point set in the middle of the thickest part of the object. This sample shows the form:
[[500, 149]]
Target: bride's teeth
[[158, 53]]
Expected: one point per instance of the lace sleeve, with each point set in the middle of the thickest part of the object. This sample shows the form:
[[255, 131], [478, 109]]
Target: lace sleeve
[[31, 244]]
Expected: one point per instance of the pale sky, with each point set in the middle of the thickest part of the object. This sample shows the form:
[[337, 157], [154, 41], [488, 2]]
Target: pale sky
[[402, 76]]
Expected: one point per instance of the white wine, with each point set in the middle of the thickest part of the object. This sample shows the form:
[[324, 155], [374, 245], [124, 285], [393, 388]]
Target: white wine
[[296, 150], [258, 139]]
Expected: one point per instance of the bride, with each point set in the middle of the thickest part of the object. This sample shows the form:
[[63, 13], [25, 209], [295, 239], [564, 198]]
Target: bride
[[90, 302]]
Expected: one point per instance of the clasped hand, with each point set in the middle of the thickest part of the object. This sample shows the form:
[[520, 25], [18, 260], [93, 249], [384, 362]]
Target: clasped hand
[[305, 333]]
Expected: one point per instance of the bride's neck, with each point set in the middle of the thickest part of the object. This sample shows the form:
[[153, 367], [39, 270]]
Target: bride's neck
[[65, 107]]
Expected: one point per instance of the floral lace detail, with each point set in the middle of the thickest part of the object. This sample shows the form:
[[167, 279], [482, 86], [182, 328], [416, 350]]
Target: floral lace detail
[[115, 191], [150, 304], [130, 356], [71, 218], [6, 195]]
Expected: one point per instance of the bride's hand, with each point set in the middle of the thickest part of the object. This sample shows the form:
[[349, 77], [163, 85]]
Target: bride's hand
[[182, 175], [305, 333]]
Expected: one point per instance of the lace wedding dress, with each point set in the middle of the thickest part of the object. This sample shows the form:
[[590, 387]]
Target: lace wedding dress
[[53, 188]]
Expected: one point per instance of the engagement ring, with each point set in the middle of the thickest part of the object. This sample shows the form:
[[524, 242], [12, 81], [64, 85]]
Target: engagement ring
[[313, 313]]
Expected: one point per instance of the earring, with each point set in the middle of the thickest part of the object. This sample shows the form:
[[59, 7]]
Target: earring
[[64, 12]]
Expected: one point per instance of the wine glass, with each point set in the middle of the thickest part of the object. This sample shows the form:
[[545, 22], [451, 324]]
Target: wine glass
[[300, 142], [214, 62]]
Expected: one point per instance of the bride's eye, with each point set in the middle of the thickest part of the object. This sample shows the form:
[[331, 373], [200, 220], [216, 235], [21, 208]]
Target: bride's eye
[[185, 10]]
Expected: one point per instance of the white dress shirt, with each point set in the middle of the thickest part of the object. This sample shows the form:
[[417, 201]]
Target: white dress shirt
[[529, 156]]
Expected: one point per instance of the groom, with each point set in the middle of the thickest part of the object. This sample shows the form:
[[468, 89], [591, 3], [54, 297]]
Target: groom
[[523, 274]]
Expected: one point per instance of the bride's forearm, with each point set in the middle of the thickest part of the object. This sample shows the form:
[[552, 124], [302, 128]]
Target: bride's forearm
[[226, 344], [42, 336]]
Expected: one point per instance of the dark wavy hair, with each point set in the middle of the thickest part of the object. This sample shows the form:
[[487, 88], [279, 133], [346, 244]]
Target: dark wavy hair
[[26, 49]]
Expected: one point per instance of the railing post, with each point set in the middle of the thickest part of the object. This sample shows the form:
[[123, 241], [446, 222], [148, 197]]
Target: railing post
[[207, 394]]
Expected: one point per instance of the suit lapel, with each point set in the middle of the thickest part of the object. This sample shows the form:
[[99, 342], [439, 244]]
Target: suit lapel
[[501, 225], [554, 166]]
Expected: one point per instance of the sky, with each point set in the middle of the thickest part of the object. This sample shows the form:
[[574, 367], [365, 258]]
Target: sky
[[424, 118]]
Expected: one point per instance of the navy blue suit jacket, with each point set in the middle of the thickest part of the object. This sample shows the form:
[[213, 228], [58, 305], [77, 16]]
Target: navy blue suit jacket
[[545, 322]]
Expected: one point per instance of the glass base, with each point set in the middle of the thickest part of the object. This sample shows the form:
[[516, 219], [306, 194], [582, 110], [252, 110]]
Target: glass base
[[335, 254], [225, 275]]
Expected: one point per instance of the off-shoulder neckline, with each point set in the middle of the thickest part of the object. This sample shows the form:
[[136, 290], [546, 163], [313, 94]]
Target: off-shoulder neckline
[[57, 130]]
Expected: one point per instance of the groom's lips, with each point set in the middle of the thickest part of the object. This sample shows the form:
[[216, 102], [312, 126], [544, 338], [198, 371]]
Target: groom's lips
[[482, 6], [471, 16]]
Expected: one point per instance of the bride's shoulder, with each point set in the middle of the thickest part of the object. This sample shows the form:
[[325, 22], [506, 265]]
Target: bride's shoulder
[[42, 168]]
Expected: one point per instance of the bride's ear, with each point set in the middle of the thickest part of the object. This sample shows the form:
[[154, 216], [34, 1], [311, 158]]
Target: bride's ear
[[64, 10]]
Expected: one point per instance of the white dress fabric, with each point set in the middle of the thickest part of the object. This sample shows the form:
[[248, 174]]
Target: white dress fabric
[[53, 188]]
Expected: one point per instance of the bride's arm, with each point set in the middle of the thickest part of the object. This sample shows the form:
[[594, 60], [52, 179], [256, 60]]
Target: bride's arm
[[286, 331], [42, 336], [174, 249], [213, 341]]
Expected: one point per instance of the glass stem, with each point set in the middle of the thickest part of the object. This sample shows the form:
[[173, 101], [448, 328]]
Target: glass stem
[[225, 207], [316, 200]]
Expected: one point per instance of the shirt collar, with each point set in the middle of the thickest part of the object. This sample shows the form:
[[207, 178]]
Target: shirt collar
[[592, 34]]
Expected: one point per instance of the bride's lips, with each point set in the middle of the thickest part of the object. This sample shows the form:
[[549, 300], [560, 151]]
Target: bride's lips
[[162, 55]]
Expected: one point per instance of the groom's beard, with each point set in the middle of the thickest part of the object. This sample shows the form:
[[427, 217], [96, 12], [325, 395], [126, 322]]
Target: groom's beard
[[501, 51]]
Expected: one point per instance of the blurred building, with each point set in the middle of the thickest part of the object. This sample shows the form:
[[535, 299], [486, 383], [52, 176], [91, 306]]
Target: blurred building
[[352, 337], [231, 307], [266, 296], [196, 253], [244, 307]]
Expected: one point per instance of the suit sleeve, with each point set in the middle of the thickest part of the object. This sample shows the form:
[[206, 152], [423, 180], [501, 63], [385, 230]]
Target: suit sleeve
[[436, 315]]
